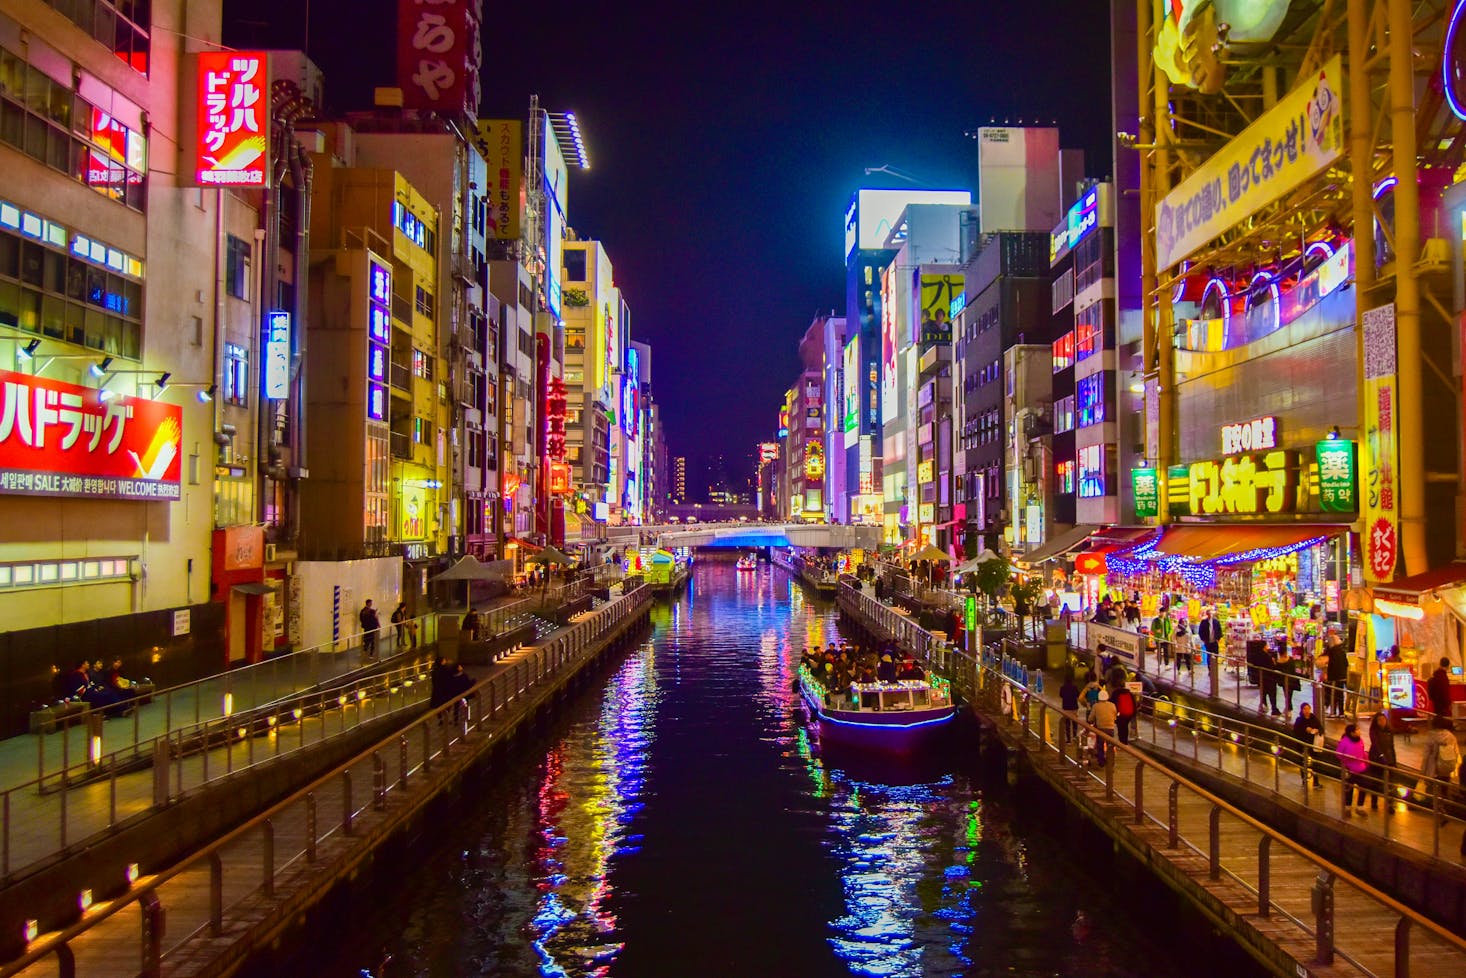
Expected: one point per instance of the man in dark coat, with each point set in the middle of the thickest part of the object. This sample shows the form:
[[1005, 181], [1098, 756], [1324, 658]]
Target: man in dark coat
[[1439, 688]]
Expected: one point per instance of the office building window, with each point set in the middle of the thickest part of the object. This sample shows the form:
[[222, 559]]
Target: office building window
[[237, 264], [120, 25], [1064, 414], [236, 374], [422, 364], [424, 302], [1089, 397], [56, 283], [1064, 351], [1091, 472], [1064, 477], [43, 118]]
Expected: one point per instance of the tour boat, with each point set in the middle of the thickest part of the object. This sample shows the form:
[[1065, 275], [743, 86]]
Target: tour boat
[[747, 563], [901, 716]]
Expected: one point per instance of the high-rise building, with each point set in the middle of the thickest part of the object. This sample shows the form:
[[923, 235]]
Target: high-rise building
[[869, 219], [679, 479], [379, 496]]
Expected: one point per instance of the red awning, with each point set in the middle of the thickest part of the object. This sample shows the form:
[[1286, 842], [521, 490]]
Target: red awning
[[1410, 589], [1215, 540]]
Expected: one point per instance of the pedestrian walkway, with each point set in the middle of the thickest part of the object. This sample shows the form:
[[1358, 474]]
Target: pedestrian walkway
[[1259, 757], [253, 715], [252, 882]]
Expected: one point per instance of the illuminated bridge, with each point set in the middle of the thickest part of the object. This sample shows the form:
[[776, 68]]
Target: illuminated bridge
[[749, 535]]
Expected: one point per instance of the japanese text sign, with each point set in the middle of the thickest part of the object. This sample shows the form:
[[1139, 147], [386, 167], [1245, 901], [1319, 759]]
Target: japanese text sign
[[1338, 488], [1381, 433], [59, 439], [438, 55], [1289, 143], [1146, 486], [277, 354], [233, 119], [1256, 435], [1253, 484], [501, 141]]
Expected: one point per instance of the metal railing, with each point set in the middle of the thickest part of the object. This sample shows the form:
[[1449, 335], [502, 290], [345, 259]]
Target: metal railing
[[1418, 811], [325, 815], [74, 750], [1418, 945], [41, 825], [1237, 847]]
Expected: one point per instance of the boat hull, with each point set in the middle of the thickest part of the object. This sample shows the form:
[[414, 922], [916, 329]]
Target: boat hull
[[901, 733]]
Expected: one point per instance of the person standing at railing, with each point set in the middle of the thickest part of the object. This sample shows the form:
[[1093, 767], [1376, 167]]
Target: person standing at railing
[[370, 626], [1104, 716], [1308, 732], [1209, 633], [1354, 763], [1381, 758], [1333, 668], [1161, 631], [1069, 703], [1442, 756], [399, 625], [470, 624]]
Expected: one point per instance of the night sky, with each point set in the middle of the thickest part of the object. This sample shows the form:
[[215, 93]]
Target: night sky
[[725, 142]]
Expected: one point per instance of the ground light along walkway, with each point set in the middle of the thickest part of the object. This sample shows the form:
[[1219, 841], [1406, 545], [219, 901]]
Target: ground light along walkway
[[205, 914], [1257, 755], [1295, 911]]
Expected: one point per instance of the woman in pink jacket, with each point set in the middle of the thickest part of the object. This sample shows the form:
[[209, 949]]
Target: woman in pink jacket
[[1354, 761]]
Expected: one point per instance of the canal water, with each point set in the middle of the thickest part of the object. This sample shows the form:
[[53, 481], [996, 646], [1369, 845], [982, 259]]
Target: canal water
[[678, 821]]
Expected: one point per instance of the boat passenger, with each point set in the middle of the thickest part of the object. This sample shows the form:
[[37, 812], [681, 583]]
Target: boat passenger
[[886, 671]]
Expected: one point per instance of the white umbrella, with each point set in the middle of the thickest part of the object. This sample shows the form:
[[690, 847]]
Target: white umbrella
[[967, 567]]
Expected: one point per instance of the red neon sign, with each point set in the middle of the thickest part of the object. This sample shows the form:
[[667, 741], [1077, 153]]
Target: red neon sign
[[555, 415], [438, 55], [233, 143], [59, 439]]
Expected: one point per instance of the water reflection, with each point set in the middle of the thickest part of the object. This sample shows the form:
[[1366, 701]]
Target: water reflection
[[680, 821]]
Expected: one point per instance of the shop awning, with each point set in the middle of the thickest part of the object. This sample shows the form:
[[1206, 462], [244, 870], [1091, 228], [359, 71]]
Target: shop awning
[[1060, 544], [1216, 541], [253, 588], [1107, 541], [1409, 589]]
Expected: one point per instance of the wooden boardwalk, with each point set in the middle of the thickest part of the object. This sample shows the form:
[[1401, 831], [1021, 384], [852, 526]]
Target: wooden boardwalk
[[247, 888]]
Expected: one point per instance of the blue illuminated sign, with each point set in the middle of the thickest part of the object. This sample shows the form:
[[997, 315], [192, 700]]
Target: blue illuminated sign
[[409, 224], [277, 354], [1084, 216]]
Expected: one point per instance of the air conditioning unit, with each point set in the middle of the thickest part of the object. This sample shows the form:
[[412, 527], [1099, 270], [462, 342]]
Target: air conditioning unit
[[269, 553]]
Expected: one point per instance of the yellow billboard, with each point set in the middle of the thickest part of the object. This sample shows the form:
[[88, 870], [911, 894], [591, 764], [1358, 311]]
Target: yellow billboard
[[1381, 434], [1288, 144], [501, 142]]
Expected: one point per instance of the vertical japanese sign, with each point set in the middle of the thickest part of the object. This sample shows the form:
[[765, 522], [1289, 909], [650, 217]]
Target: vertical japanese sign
[[232, 148], [379, 336], [438, 55], [1146, 485], [277, 354], [1338, 490], [59, 439], [1381, 518], [501, 142]]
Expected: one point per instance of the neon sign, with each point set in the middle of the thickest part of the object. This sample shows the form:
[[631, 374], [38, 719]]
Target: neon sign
[[233, 119]]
